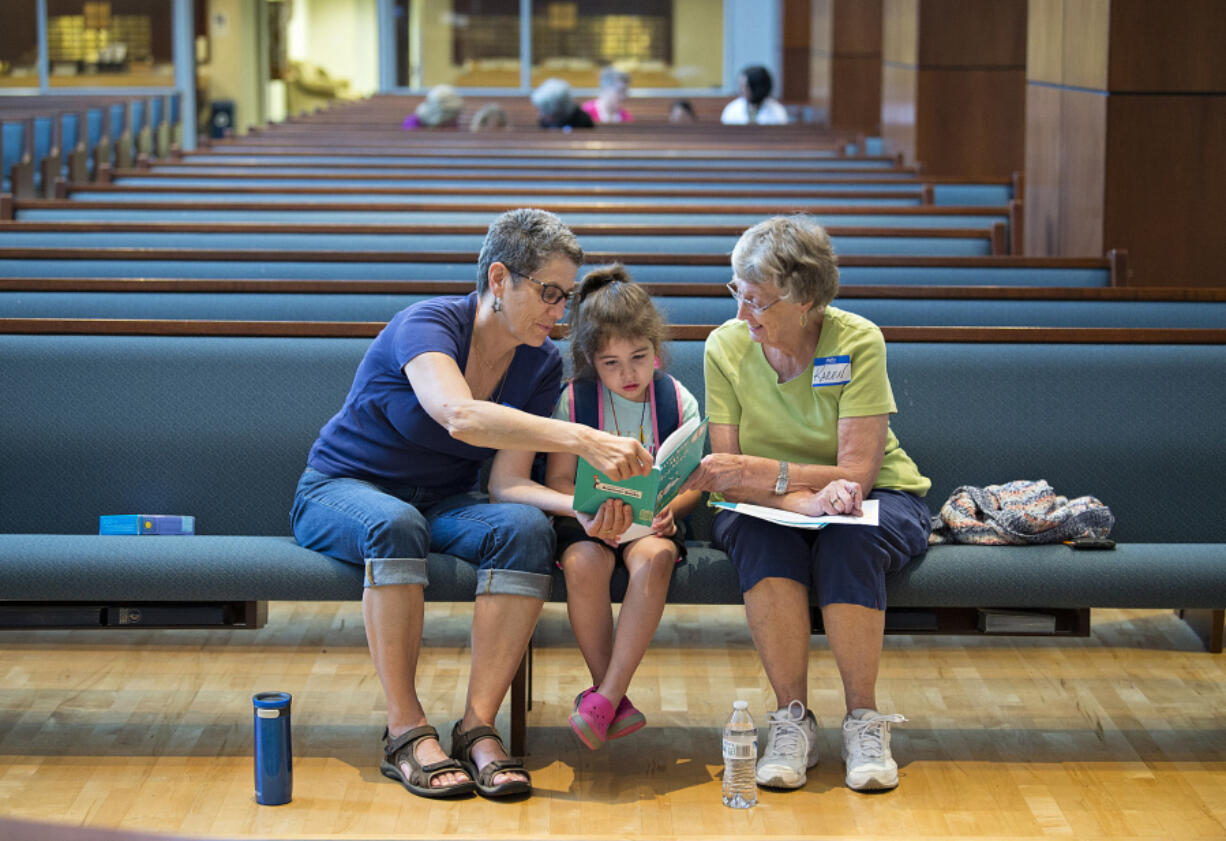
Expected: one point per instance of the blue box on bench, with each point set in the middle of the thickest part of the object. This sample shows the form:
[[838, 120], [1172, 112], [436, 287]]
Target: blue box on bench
[[146, 524]]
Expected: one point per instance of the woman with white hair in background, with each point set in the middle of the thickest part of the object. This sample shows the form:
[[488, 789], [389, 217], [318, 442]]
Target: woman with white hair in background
[[556, 108], [440, 109], [607, 107]]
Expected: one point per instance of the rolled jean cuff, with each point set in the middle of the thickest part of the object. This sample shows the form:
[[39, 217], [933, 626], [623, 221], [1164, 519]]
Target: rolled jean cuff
[[381, 572], [513, 582]]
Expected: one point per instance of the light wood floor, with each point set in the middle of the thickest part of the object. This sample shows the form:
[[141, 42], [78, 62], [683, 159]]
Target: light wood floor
[[1121, 735]]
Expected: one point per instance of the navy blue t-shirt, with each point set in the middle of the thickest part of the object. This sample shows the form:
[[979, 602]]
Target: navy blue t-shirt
[[383, 434]]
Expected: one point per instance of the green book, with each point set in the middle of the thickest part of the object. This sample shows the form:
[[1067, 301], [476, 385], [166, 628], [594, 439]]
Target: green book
[[678, 455]]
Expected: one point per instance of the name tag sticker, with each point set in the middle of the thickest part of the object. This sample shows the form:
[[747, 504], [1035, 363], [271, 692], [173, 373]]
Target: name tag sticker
[[831, 370]]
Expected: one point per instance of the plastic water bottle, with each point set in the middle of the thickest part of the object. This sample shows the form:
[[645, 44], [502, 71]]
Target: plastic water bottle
[[740, 758], [274, 756]]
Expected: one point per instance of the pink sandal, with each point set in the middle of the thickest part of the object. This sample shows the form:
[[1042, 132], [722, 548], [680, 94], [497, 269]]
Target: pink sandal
[[591, 718], [626, 720], [595, 721]]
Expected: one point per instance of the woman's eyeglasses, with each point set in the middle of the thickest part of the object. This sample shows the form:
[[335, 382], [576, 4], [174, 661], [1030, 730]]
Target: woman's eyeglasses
[[756, 309], [550, 293]]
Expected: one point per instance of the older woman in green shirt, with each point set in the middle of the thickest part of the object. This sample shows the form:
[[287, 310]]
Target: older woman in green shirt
[[799, 405]]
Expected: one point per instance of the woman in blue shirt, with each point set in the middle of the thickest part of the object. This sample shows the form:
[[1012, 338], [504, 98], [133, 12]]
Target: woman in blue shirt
[[393, 476]]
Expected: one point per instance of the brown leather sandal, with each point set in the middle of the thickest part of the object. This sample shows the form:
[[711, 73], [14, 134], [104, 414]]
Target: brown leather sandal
[[462, 750], [401, 750]]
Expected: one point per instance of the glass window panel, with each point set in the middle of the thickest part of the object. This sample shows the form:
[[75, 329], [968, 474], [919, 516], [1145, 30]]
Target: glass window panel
[[467, 43], [19, 45], [107, 43], [660, 43]]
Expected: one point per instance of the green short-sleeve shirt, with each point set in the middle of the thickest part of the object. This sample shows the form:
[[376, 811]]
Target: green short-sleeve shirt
[[797, 421]]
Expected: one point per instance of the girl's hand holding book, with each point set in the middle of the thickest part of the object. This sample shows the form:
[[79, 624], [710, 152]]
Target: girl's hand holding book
[[611, 519]]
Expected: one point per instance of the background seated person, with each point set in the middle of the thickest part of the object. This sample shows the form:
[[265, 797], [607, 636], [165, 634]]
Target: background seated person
[[681, 112], [556, 108], [755, 105], [440, 109], [490, 117], [607, 107]]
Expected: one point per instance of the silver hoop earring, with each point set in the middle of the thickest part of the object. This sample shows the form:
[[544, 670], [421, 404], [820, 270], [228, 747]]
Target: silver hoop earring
[[804, 319], [497, 305]]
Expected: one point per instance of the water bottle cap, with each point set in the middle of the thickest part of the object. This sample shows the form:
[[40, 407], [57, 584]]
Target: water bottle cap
[[740, 705], [271, 700]]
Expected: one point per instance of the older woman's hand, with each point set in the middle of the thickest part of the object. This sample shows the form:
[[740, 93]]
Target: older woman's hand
[[716, 472], [617, 457], [611, 519], [841, 496]]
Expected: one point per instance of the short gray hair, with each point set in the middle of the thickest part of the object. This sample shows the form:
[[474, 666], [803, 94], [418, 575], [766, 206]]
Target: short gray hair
[[793, 251], [524, 240], [611, 77], [441, 106], [553, 97]]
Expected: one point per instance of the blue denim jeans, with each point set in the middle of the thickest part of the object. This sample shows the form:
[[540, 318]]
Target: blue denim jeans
[[390, 531]]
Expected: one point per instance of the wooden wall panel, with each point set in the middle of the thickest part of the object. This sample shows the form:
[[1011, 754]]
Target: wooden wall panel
[[1043, 176], [1178, 47], [898, 108], [900, 32], [1131, 158], [1066, 133], [972, 33], [821, 54], [968, 108], [1086, 43], [1083, 121], [857, 27], [1166, 187], [795, 87], [1045, 41], [972, 122], [857, 102], [845, 63]]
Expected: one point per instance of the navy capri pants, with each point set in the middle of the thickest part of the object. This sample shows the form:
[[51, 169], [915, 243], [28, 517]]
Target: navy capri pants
[[846, 564]]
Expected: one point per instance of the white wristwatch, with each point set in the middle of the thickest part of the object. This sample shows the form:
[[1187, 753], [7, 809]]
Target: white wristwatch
[[781, 484]]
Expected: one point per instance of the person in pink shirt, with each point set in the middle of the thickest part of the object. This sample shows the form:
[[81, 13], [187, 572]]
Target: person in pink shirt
[[607, 106]]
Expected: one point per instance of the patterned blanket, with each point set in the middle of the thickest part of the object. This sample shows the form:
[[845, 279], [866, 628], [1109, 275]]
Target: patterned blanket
[[1018, 513]]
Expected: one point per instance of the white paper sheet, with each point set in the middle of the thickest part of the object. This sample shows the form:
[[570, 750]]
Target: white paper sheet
[[787, 518]]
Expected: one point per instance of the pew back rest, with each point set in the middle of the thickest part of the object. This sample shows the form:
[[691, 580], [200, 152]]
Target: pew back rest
[[1130, 424], [219, 427], [709, 305]]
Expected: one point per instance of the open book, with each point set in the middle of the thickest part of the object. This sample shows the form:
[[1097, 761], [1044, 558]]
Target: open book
[[678, 455], [803, 521]]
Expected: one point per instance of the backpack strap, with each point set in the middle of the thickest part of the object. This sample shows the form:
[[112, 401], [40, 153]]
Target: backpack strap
[[586, 403], [666, 411]]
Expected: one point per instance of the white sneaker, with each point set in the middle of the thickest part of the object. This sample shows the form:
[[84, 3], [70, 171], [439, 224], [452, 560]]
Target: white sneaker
[[866, 750], [791, 747]]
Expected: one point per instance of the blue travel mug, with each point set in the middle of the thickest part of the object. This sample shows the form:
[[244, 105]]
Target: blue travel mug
[[274, 758]]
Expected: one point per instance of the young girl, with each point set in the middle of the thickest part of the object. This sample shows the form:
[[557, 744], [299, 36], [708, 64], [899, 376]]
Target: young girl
[[616, 336]]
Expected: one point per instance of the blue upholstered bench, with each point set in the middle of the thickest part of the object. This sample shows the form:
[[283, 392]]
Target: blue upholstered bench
[[711, 308], [219, 426]]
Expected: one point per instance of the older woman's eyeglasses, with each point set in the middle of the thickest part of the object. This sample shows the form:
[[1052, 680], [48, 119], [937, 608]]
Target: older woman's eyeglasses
[[550, 293], [754, 307]]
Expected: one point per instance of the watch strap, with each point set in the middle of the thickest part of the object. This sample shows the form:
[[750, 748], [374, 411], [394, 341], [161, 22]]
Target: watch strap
[[781, 483]]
